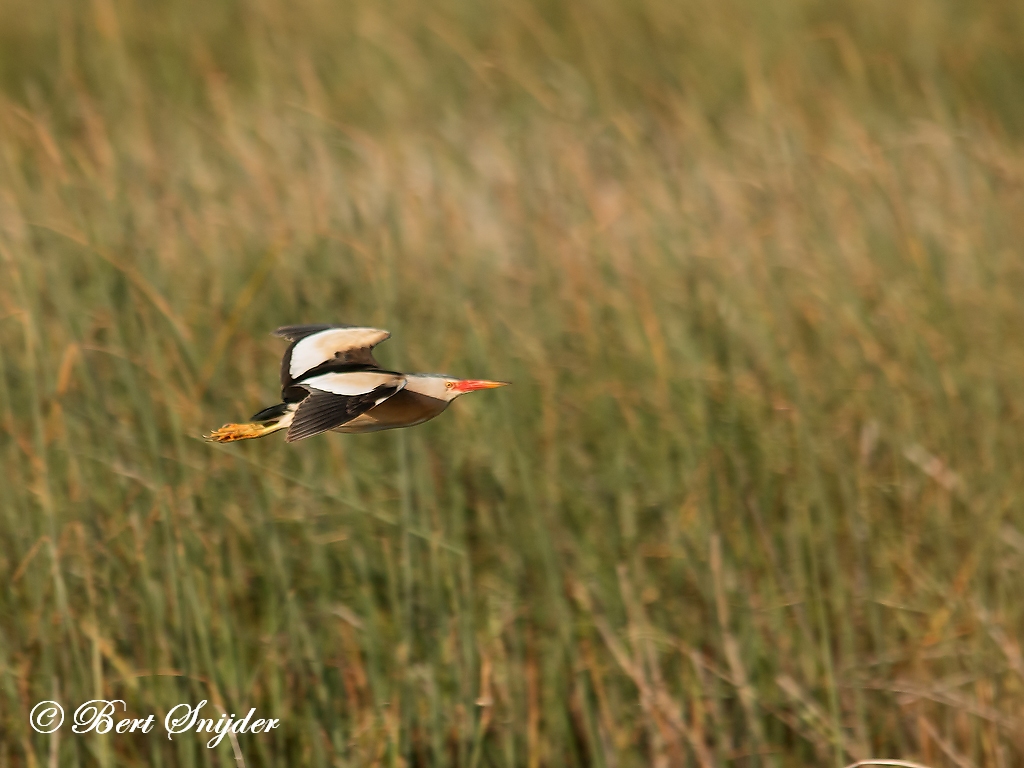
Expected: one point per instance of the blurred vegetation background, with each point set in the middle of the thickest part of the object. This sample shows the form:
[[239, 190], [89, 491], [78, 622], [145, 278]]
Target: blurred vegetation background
[[755, 269]]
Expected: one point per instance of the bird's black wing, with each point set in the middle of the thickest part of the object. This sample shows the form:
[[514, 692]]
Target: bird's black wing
[[299, 332], [322, 346], [323, 411]]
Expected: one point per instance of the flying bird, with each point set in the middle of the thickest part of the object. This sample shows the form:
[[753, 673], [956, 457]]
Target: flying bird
[[330, 381]]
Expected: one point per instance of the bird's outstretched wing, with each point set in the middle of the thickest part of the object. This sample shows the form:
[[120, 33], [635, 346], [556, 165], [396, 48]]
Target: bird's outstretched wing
[[317, 349], [334, 399]]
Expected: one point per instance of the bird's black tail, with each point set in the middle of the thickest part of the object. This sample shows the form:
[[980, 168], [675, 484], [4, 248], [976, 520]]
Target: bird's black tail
[[273, 413]]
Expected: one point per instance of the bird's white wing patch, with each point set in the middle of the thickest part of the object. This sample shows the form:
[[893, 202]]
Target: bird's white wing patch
[[321, 347], [356, 383]]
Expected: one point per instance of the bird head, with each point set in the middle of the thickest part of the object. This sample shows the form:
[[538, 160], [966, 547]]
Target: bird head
[[447, 388]]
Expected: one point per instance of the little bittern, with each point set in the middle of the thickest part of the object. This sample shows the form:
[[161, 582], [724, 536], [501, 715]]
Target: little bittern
[[330, 381]]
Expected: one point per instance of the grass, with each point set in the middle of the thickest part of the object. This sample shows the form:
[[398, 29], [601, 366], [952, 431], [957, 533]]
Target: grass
[[755, 497]]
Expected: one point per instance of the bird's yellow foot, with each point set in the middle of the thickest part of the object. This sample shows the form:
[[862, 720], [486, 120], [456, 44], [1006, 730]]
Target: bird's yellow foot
[[231, 432]]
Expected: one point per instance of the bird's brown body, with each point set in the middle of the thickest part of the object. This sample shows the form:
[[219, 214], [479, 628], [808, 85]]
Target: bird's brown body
[[403, 409]]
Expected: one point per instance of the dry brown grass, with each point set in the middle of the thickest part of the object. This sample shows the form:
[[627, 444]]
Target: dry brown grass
[[756, 274]]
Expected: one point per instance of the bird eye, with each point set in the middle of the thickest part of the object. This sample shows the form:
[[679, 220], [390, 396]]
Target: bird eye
[[449, 384]]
